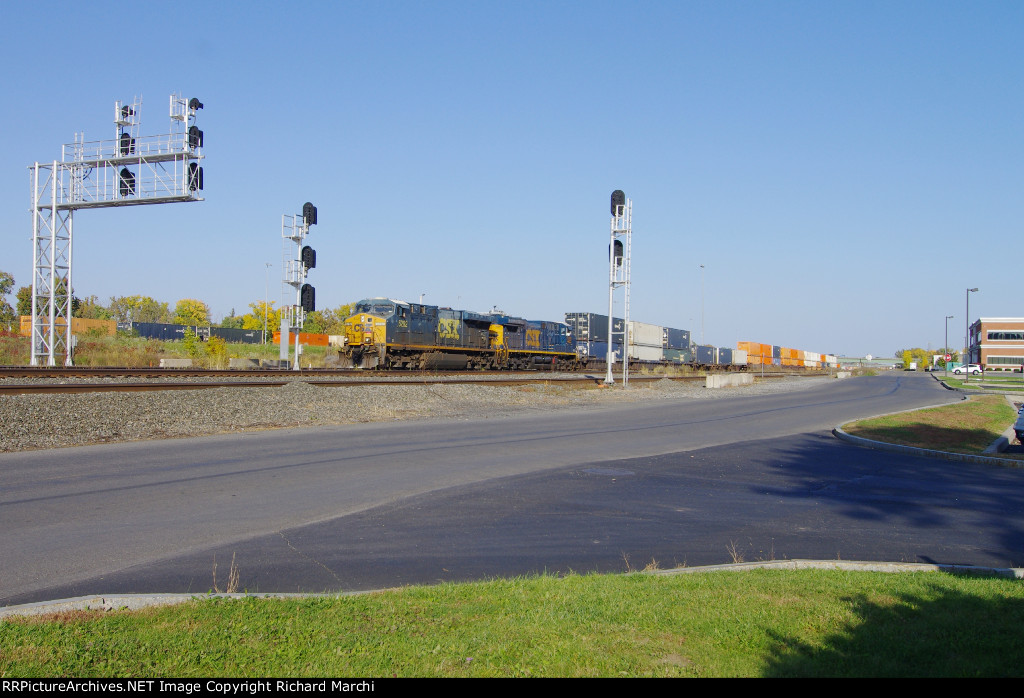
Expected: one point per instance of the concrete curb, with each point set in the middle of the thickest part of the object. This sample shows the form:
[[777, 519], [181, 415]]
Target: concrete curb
[[135, 602], [1002, 441], [852, 565], [928, 453]]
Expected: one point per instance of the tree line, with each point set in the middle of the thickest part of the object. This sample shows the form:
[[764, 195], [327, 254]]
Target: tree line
[[187, 311], [923, 357]]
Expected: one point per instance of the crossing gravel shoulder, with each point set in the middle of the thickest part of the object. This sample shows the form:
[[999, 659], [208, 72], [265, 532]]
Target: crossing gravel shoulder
[[60, 420]]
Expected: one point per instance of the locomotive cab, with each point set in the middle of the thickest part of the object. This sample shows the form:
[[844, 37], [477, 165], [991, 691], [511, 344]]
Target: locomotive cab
[[366, 333]]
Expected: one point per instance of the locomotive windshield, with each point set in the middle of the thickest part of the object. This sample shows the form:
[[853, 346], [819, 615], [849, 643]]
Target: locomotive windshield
[[383, 309]]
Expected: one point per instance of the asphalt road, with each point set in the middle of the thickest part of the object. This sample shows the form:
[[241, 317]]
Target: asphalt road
[[371, 506]]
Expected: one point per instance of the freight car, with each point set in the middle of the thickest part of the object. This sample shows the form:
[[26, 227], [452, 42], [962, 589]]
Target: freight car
[[648, 345], [386, 333], [170, 332]]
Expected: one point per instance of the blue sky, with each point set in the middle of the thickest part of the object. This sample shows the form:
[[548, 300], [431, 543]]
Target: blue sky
[[844, 170]]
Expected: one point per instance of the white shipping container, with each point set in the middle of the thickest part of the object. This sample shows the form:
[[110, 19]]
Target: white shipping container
[[739, 357], [645, 353], [644, 334]]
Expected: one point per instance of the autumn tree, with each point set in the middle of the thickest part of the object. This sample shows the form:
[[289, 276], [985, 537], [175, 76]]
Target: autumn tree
[[139, 309], [923, 357], [24, 297], [190, 311], [232, 321], [7, 316], [262, 311], [91, 309]]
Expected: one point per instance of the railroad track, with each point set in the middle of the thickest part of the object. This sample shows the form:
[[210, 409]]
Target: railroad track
[[42, 388], [48, 380]]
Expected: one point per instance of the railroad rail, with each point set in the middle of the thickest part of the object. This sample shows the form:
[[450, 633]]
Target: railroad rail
[[50, 380]]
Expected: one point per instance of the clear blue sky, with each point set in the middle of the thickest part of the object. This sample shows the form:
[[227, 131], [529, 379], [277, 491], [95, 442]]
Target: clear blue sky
[[844, 170]]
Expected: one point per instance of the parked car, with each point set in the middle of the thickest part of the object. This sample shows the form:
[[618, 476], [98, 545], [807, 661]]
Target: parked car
[[1018, 426], [973, 369]]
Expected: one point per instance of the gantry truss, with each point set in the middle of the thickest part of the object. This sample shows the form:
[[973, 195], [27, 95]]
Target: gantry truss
[[128, 170]]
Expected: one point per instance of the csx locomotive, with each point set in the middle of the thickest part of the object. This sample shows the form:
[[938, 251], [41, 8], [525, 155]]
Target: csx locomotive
[[385, 333]]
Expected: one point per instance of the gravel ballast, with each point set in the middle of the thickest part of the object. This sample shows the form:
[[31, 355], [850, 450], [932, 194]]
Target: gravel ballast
[[58, 420]]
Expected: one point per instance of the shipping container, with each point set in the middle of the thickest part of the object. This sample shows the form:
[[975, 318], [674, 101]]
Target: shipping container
[[237, 336], [593, 327], [645, 334], [640, 352], [724, 356], [78, 326], [596, 351], [163, 331], [305, 338], [675, 339], [679, 356], [704, 355]]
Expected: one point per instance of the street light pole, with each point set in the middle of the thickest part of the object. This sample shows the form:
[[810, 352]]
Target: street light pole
[[945, 349], [266, 301], [967, 337]]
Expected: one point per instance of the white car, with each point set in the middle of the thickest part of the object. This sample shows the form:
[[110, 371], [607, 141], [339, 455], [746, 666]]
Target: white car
[[973, 369]]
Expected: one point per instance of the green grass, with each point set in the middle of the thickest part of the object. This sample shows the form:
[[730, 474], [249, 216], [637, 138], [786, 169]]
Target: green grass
[[966, 427], [990, 381], [713, 624]]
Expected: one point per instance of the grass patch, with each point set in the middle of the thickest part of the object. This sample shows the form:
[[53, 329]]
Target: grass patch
[[966, 427], [1007, 382], [14, 349], [757, 623]]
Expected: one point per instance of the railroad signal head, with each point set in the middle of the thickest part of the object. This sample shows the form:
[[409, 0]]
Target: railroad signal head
[[617, 253], [195, 137], [195, 176], [307, 298], [308, 257], [309, 213], [618, 199], [127, 184], [194, 104], [127, 144]]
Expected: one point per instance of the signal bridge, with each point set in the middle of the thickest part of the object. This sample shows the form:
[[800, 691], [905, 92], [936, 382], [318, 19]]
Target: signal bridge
[[128, 170]]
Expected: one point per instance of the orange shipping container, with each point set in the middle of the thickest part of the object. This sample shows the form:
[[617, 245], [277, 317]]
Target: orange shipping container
[[306, 338], [78, 326]]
